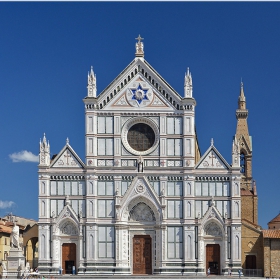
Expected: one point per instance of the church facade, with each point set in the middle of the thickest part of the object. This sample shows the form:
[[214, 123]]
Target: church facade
[[144, 200]]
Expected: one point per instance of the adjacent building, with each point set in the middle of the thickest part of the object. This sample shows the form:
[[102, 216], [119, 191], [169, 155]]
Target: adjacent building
[[271, 241], [28, 238]]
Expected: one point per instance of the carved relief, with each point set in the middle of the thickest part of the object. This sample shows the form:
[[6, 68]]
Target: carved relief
[[205, 163], [67, 214], [124, 234], [157, 102], [140, 189], [121, 102], [68, 229], [139, 95], [213, 229], [56, 249], [212, 160], [142, 213], [66, 159]]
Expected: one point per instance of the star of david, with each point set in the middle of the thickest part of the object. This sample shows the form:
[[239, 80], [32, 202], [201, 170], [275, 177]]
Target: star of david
[[139, 94]]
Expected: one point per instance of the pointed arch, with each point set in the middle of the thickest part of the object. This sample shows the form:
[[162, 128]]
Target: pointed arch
[[242, 162], [236, 209], [91, 208], [43, 246], [189, 209], [130, 204], [213, 228], [141, 212], [237, 245], [90, 191], [43, 187], [91, 246], [189, 188], [43, 208], [68, 227], [189, 247]]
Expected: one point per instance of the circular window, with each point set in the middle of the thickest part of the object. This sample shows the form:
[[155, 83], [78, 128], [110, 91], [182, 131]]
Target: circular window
[[141, 137]]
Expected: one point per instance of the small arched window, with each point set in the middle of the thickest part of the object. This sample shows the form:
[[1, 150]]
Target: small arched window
[[242, 163]]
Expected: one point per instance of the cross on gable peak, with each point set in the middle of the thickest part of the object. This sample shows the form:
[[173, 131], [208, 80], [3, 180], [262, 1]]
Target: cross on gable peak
[[139, 38], [139, 47]]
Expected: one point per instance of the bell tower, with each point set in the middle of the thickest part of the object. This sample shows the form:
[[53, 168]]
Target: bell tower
[[249, 199]]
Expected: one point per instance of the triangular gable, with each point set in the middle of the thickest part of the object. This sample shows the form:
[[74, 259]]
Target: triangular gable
[[212, 214], [139, 72], [212, 159], [141, 189], [140, 94], [67, 158], [244, 143], [67, 213]]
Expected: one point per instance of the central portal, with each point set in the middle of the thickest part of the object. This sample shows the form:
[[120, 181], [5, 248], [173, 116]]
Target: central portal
[[142, 254], [68, 257], [213, 258]]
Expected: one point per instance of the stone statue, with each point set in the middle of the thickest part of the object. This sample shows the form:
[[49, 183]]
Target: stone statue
[[27, 267], [140, 164], [14, 237], [4, 266], [4, 270], [139, 46]]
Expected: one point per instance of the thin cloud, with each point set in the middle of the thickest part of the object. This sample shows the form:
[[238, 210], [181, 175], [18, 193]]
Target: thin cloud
[[6, 204], [24, 156]]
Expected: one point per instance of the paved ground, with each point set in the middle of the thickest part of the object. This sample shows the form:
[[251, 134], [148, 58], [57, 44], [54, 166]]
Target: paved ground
[[156, 277]]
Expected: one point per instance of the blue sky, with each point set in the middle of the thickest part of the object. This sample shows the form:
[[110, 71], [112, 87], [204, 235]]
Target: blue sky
[[47, 49]]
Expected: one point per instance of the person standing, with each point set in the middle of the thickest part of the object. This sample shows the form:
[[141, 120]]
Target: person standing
[[208, 271], [239, 273]]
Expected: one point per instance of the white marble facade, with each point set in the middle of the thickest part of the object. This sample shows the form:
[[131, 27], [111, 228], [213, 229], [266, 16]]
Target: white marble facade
[[141, 176]]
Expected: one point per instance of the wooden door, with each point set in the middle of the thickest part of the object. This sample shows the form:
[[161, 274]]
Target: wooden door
[[142, 254], [251, 262], [68, 257], [213, 258]]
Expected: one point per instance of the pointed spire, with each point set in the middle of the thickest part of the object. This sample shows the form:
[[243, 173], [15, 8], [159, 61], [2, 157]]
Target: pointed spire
[[67, 141], [139, 47], [44, 155], [188, 88], [212, 142], [92, 88], [241, 98]]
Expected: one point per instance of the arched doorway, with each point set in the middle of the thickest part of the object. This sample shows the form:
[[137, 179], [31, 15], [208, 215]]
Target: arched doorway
[[140, 239], [214, 244], [68, 257], [31, 252]]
